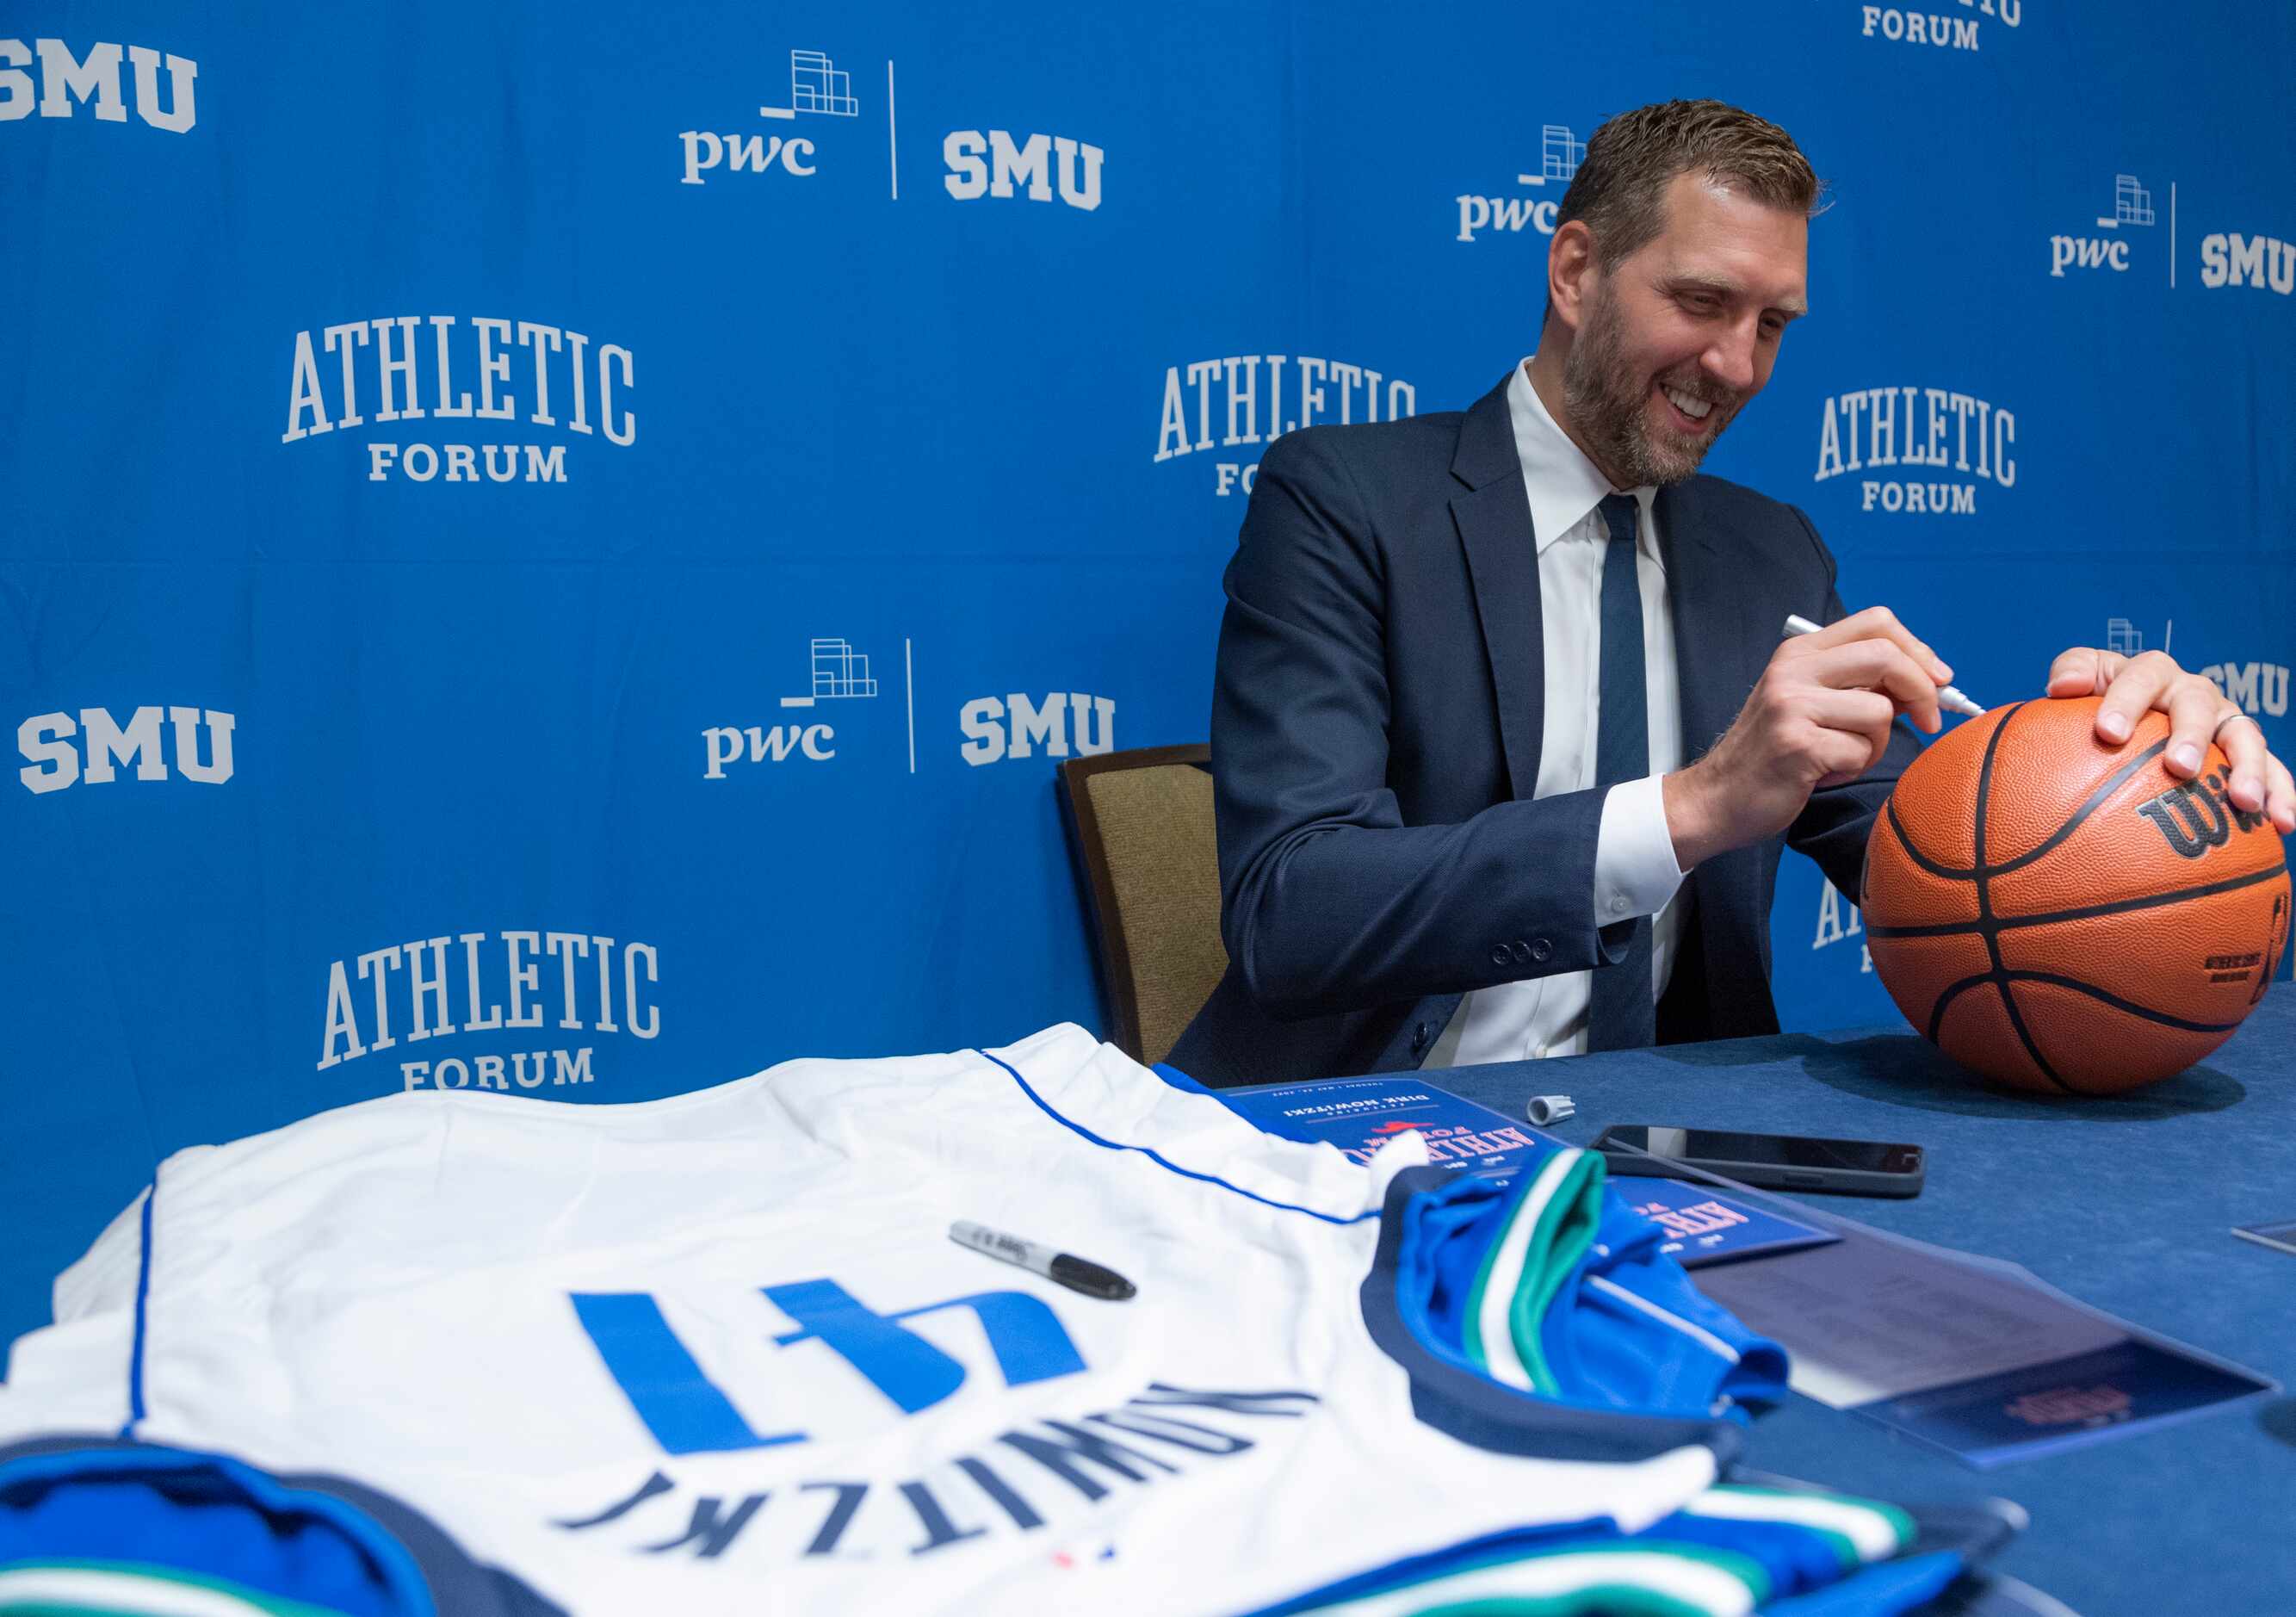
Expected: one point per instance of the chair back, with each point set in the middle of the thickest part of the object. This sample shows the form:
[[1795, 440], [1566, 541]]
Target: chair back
[[1151, 874]]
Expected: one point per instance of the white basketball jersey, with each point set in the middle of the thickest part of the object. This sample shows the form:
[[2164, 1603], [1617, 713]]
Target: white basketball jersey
[[717, 1353]]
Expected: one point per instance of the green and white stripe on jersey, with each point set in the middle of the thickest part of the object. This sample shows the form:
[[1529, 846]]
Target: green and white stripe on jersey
[[103, 1589], [1553, 1224], [1861, 1531], [1649, 1574]]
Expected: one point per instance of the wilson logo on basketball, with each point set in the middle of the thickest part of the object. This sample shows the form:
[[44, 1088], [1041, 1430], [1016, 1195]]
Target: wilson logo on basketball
[[2197, 816]]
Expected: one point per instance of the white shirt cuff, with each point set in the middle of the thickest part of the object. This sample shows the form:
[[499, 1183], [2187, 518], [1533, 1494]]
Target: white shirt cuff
[[1634, 870]]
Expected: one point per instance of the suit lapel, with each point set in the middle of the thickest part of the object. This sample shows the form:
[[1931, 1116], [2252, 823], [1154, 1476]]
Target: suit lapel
[[1714, 637], [1493, 516]]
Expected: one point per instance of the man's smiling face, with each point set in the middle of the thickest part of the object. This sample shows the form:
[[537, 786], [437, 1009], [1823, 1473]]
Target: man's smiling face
[[1677, 336]]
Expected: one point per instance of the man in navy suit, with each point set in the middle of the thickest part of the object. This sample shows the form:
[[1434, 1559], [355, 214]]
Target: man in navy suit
[[1505, 743]]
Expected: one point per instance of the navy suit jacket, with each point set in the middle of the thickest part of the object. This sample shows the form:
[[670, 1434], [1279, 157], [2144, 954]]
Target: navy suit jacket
[[1376, 724]]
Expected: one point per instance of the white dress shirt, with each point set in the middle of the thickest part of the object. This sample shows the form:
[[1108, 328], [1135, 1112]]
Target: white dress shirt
[[1634, 868]]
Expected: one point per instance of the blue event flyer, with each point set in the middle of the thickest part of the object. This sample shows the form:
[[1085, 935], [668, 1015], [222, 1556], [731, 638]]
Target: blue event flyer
[[1358, 1115], [1703, 1226]]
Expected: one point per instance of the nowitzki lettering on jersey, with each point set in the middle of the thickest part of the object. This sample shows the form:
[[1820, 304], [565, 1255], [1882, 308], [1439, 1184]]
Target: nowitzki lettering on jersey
[[1946, 25], [1248, 399], [92, 748], [92, 80], [814, 119], [1533, 205], [477, 368], [1915, 449], [834, 683], [464, 983]]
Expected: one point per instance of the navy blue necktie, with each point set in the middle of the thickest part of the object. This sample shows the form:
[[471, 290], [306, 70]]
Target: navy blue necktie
[[1619, 1015]]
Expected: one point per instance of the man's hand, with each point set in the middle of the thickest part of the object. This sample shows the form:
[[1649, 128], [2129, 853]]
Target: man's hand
[[2198, 713], [1820, 715]]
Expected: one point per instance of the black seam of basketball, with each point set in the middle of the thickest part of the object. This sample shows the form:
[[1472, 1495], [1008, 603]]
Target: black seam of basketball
[[2119, 1004], [1937, 1011], [2096, 801], [2117, 906], [1890, 809], [1916, 854], [1987, 927]]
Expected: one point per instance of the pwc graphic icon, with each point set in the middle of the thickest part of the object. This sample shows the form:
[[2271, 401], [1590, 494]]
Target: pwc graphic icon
[[823, 108], [837, 673], [1559, 153], [2113, 241]]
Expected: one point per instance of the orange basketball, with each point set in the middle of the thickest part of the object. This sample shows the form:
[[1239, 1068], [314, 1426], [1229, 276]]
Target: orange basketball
[[2067, 916]]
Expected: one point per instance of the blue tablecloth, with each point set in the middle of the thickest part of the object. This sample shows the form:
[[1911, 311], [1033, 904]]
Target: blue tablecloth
[[2126, 1203]]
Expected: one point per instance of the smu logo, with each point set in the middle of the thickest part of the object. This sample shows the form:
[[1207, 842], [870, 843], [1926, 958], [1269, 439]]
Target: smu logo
[[689, 1414], [46, 739], [992, 165], [2258, 261], [95, 79], [1013, 726], [2254, 687]]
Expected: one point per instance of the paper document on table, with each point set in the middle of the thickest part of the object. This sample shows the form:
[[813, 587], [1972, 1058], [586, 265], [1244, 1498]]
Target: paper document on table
[[1862, 1324], [1970, 1355]]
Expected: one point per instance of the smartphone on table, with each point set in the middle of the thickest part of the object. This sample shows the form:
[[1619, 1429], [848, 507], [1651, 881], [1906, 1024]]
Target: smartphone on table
[[1773, 1161]]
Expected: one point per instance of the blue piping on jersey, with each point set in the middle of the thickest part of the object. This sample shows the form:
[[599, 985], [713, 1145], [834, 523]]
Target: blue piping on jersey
[[142, 1315], [1165, 1163]]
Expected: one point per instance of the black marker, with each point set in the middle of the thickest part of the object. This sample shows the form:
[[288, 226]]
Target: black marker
[[1076, 1274]]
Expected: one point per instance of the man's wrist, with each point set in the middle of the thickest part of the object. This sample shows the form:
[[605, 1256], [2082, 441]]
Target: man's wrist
[[1690, 818]]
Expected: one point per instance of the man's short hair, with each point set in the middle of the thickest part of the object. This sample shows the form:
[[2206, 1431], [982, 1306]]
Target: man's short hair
[[1620, 187]]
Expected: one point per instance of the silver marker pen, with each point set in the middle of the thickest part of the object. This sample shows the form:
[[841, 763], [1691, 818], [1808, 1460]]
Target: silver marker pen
[[1948, 698]]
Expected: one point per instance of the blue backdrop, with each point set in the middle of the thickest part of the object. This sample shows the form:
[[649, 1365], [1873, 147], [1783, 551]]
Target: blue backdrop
[[560, 546]]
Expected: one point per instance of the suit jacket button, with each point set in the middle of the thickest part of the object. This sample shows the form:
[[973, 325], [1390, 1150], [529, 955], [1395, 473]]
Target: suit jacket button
[[1419, 1038], [1499, 955], [1541, 950], [1522, 952]]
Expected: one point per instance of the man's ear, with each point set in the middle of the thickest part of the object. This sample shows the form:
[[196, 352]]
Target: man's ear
[[1571, 273]]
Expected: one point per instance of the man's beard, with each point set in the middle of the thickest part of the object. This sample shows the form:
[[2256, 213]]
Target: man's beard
[[1608, 405]]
